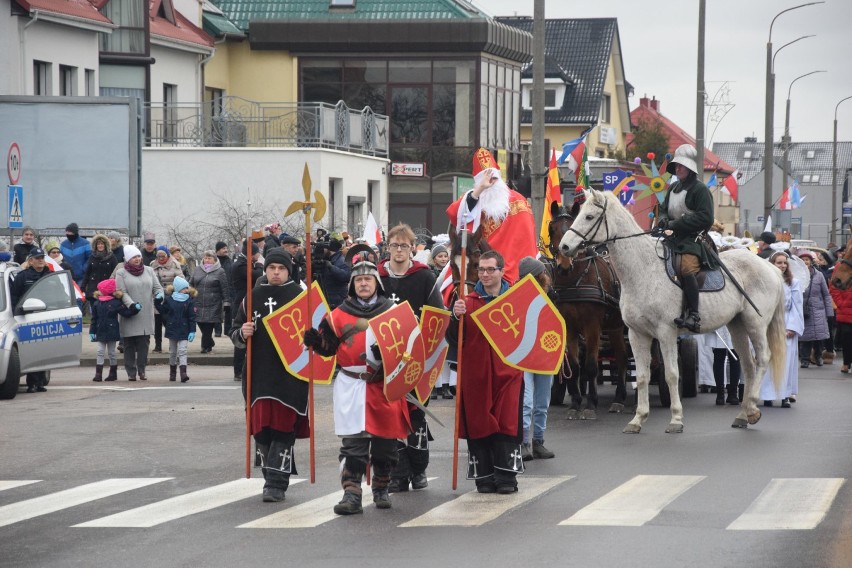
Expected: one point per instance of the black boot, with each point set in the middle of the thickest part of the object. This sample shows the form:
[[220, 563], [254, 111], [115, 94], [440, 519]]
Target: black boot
[[276, 470], [741, 390], [732, 394], [720, 389], [692, 321], [183, 376], [381, 496], [99, 373], [350, 479], [172, 373], [113, 373], [446, 393]]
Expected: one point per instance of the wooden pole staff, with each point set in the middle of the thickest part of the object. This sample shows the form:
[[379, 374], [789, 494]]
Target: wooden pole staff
[[249, 262], [462, 284]]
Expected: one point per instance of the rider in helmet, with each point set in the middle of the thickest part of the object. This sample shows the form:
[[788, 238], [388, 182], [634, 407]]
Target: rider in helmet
[[685, 214]]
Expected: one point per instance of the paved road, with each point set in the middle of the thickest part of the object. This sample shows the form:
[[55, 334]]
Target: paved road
[[151, 474]]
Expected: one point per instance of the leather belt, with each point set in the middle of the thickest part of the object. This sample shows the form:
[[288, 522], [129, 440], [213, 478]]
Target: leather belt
[[367, 376]]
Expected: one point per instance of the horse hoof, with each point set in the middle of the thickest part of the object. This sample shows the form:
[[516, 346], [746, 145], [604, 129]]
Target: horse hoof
[[589, 414], [573, 414], [616, 408], [632, 429], [739, 423], [674, 428], [753, 418]]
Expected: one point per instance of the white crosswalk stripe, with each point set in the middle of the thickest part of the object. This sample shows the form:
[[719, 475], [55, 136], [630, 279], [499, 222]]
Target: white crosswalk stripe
[[474, 509], [635, 502], [184, 505], [789, 504], [11, 484], [30, 508]]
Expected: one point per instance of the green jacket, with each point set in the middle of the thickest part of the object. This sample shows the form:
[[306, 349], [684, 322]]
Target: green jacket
[[688, 227]]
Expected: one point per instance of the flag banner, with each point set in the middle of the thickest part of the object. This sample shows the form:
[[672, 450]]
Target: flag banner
[[54, 266], [553, 194], [444, 283], [712, 182], [572, 151], [372, 235], [524, 327], [433, 329], [401, 346], [286, 327], [731, 186]]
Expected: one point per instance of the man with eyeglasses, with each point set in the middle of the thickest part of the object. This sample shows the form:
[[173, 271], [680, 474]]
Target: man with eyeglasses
[[492, 391], [405, 279]]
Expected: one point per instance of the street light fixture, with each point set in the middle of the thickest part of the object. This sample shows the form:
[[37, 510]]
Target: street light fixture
[[768, 153], [785, 141], [834, 175]]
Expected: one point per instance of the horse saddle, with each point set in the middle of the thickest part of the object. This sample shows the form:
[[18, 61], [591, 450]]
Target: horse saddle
[[708, 280]]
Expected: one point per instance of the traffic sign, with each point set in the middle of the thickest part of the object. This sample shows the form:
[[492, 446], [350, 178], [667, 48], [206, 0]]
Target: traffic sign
[[16, 207], [13, 163]]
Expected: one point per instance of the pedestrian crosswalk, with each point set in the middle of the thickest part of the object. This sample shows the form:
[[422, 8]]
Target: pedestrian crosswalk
[[783, 504]]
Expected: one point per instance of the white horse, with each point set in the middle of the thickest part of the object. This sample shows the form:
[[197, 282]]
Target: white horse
[[650, 302]]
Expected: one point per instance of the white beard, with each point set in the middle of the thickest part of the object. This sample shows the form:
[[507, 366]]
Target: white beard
[[495, 200]]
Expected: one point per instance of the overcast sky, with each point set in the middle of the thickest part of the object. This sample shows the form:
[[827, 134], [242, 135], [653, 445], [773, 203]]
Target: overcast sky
[[659, 45]]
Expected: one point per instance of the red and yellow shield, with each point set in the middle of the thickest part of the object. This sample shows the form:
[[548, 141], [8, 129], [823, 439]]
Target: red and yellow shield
[[401, 346], [433, 328], [286, 327], [524, 328]]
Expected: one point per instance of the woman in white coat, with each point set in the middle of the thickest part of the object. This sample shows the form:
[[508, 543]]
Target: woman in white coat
[[795, 324]]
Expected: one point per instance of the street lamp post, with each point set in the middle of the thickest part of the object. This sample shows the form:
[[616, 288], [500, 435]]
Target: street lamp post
[[834, 175], [768, 152], [785, 141]]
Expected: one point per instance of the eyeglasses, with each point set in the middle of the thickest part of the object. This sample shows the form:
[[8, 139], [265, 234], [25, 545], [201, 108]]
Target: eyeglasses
[[489, 270], [399, 246]]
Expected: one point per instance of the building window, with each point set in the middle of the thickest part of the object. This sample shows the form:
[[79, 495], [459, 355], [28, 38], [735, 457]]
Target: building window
[[90, 83], [806, 178], [747, 154], [341, 4], [605, 109], [67, 81], [41, 78], [549, 98], [810, 154], [130, 37], [170, 117], [815, 178]]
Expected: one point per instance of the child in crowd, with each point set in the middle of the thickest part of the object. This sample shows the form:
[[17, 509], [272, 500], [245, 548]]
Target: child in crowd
[[178, 311], [106, 308]]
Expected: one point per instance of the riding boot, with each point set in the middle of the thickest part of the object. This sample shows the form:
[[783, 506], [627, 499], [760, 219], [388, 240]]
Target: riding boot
[[692, 321], [183, 376], [99, 373], [350, 479], [172, 373], [113, 373]]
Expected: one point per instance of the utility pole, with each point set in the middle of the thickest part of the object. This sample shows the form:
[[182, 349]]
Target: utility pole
[[699, 93], [537, 168]]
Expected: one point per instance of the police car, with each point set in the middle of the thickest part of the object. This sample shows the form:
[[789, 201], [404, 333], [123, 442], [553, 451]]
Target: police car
[[43, 332]]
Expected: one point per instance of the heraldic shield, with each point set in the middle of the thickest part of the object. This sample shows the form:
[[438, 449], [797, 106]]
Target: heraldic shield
[[286, 326], [524, 328], [401, 346], [433, 329]]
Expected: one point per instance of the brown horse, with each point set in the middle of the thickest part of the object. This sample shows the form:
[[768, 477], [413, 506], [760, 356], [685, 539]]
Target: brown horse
[[587, 295], [841, 278]]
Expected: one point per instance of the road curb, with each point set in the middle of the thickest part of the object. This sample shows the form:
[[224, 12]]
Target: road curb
[[158, 359]]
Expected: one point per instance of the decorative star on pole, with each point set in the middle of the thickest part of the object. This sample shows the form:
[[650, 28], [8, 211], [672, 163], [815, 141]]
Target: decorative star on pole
[[653, 182]]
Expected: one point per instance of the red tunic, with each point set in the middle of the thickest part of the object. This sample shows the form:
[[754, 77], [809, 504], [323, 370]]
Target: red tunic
[[491, 390], [514, 238], [381, 418]]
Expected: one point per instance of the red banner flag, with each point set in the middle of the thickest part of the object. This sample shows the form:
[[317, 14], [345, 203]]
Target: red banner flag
[[524, 328], [433, 328], [401, 345], [286, 327]]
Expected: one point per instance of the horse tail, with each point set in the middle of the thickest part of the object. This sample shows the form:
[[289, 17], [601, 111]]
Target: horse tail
[[777, 339]]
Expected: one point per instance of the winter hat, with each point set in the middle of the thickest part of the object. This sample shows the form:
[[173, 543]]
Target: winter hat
[[278, 255], [114, 235], [180, 283], [130, 251], [51, 246], [530, 265], [73, 228], [107, 287], [149, 237], [809, 253], [254, 248], [289, 240], [3, 246], [438, 249], [164, 249], [334, 245], [767, 237], [220, 245]]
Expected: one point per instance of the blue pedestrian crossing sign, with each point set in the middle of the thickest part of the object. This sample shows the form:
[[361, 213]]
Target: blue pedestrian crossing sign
[[16, 207]]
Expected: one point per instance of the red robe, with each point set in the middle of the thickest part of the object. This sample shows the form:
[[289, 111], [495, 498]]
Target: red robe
[[491, 390], [514, 238]]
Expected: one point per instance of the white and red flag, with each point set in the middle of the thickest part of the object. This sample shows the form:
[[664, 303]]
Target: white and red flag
[[730, 185], [372, 234]]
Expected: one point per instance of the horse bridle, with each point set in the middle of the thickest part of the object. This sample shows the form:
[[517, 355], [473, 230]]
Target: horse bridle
[[554, 248], [594, 228]]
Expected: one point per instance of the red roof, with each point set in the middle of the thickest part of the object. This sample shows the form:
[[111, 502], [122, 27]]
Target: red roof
[[181, 30], [74, 8], [648, 109]]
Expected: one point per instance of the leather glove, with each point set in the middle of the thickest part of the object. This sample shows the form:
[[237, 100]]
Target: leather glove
[[93, 337], [312, 338], [663, 224], [191, 336], [377, 354]]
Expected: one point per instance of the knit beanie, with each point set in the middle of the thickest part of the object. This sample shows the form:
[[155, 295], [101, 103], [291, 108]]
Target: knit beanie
[[114, 235], [767, 237], [50, 246], [73, 228], [530, 265], [180, 284], [107, 287], [438, 249], [130, 251], [220, 245], [254, 248], [334, 245], [165, 249], [278, 255]]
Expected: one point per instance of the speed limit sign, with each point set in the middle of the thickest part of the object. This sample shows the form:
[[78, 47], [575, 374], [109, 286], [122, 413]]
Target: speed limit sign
[[13, 163]]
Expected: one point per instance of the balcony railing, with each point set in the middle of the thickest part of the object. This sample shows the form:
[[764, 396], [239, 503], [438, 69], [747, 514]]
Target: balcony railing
[[237, 122]]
